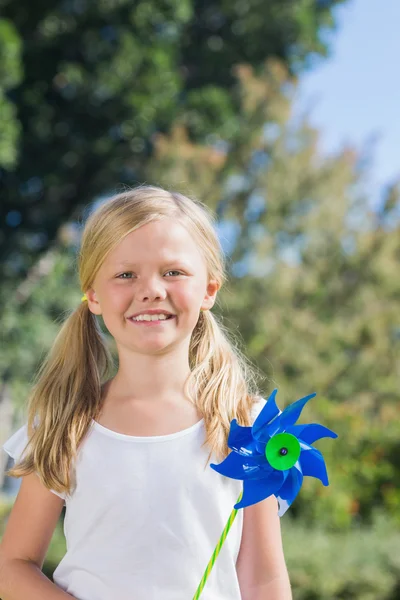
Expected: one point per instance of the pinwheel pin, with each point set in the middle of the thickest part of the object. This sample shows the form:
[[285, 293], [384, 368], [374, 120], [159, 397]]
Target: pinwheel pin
[[271, 457]]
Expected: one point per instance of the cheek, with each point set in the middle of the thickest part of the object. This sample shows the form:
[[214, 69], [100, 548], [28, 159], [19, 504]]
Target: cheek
[[188, 296], [117, 305]]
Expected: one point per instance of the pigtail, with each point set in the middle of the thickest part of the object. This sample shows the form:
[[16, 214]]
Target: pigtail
[[64, 399], [222, 383]]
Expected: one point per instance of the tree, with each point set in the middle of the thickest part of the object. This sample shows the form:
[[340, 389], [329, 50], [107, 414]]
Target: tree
[[101, 78], [10, 76]]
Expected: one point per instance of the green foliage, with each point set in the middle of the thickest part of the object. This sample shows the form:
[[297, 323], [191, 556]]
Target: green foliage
[[362, 563], [10, 76], [31, 322], [100, 80]]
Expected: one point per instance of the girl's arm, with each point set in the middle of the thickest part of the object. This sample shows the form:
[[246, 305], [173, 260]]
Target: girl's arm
[[275, 589], [23, 547], [21, 579], [261, 566]]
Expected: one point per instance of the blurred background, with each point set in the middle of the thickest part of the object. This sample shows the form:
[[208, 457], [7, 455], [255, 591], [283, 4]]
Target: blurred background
[[280, 115]]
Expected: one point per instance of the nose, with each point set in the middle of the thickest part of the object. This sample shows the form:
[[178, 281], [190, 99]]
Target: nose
[[150, 290]]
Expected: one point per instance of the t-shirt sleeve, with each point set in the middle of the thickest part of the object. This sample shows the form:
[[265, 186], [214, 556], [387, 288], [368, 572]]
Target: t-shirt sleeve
[[16, 445], [257, 408]]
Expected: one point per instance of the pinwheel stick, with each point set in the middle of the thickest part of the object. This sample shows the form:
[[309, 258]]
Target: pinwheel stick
[[216, 551]]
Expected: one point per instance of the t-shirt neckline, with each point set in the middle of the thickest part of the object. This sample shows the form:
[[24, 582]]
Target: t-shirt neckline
[[148, 439]]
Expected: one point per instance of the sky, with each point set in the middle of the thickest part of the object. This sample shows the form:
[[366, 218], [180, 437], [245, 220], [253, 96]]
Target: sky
[[354, 96]]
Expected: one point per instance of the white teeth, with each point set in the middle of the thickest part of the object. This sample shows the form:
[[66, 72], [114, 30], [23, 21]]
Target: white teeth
[[150, 317]]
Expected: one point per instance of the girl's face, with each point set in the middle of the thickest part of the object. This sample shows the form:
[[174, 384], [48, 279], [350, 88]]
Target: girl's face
[[157, 266]]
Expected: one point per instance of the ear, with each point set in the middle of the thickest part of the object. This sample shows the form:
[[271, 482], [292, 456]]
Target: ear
[[93, 303], [211, 294]]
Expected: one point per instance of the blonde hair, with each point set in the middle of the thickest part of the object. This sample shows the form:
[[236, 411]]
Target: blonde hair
[[66, 394]]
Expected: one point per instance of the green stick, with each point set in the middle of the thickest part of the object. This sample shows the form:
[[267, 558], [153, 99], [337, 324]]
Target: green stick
[[216, 551]]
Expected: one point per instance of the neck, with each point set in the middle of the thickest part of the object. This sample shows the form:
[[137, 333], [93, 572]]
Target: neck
[[151, 378]]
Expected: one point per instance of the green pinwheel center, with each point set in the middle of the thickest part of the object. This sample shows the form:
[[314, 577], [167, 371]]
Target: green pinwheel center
[[282, 451]]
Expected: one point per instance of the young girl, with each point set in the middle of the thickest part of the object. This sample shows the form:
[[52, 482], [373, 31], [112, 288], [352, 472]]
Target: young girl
[[129, 455]]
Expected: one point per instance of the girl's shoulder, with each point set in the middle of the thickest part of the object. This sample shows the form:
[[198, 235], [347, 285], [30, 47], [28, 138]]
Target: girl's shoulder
[[258, 404], [16, 445]]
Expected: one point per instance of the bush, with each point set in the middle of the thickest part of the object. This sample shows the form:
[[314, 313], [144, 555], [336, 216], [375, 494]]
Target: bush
[[362, 563]]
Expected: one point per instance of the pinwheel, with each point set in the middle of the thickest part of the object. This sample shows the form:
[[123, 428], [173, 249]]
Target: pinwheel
[[273, 455], [271, 458]]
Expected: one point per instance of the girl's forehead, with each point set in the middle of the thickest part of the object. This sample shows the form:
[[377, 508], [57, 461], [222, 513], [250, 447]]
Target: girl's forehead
[[156, 241], [166, 231]]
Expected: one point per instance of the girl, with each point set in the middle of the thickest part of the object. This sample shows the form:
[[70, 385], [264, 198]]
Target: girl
[[129, 455]]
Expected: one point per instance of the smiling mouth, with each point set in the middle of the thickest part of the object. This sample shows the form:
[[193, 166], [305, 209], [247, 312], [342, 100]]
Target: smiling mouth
[[151, 322]]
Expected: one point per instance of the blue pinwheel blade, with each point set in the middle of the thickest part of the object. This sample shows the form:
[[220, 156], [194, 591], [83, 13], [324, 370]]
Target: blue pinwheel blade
[[313, 465], [258, 489], [267, 414], [289, 490], [241, 440], [237, 466], [311, 432], [289, 416]]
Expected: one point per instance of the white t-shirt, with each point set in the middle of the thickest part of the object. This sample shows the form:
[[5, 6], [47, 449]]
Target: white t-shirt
[[145, 517]]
